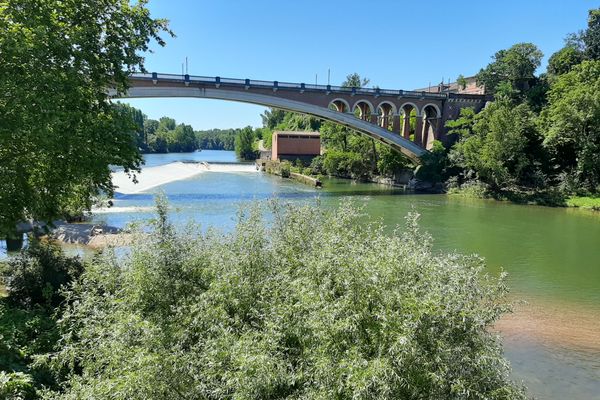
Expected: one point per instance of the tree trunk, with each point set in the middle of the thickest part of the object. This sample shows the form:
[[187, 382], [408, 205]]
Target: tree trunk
[[14, 241]]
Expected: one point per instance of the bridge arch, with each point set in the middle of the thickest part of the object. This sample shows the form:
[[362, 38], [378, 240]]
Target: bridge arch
[[435, 106], [409, 104], [431, 121], [339, 105], [363, 109], [386, 111], [408, 121]]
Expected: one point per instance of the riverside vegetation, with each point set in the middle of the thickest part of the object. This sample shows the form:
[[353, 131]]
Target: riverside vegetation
[[166, 136], [311, 305]]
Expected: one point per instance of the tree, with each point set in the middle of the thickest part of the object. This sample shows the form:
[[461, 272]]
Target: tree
[[267, 137], [304, 303], [564, 60], [355, 80], [244, 144], [217, 139], [591, 36], [150, 127], [166, 124], [462, 127], [461, 81], [571, 124], [502, 147], [515, 65], [59, 131], [273, 117], [138, 118], [184, 139]]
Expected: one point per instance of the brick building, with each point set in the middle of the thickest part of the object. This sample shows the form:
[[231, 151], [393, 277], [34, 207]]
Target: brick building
[[290, 145]]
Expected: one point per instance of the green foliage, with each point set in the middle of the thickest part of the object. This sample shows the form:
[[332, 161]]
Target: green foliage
[[592, 203], [571, 124], [335, 136], [272, 117], [285, 168], [463, 125], [433, 164], [37, 275], [16, 386], [311, 305], [298, 122], [267, 138], [244, 144], [166, 124], [217, 139], [355, 80], [138, 118], [25, 335], [36, 280], [390, 161], [504, 148], [345, 164], [564, 60], [515, 65], [591, 36], [316, 166], [461, 82], [58, 126]]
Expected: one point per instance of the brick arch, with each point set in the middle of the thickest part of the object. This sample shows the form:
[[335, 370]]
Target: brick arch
[[410, 103], [394, 109], [367, 102], [346, 104]]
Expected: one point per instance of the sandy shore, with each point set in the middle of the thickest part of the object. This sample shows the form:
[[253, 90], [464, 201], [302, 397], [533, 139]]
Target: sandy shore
[[151, 177], [554, 324]]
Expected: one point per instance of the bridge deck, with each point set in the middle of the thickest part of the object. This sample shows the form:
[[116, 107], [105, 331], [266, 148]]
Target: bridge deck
[[252, 83]]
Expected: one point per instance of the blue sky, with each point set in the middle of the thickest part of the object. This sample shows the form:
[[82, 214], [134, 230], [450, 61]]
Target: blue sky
[[396, 44]]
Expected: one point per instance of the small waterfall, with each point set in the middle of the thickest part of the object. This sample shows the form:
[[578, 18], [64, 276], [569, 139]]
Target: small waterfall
[[156, 176]]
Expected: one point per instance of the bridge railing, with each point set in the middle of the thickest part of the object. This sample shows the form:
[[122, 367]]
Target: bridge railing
[[246, 83]]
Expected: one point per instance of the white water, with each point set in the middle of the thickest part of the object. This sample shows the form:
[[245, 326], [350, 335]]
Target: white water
[[156, 176]]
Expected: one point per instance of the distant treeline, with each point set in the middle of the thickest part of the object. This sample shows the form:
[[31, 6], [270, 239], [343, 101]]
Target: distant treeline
[[166, 136], [217, 139]]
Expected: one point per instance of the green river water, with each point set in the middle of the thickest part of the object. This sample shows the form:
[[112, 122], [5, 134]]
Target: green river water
[[552, 256]]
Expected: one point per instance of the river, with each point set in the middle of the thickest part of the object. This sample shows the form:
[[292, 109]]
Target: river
[[552, 256]]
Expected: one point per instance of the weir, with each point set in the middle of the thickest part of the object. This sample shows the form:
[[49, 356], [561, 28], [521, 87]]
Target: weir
[[152, 177]]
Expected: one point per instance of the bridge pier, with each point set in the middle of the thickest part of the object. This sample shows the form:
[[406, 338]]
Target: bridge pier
[[419, 131], [396, 123], [406, 126]]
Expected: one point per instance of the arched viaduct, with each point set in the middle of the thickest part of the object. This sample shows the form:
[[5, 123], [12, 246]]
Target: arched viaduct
[[408, 121]]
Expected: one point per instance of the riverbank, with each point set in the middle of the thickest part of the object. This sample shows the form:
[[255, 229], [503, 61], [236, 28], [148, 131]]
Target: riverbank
[[549, 198], [588, 203], [92, 235]]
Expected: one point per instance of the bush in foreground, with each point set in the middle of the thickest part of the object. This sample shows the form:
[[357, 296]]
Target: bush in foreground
[[312, 305]]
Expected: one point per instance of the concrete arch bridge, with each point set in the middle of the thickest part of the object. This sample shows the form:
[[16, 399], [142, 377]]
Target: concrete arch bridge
[[407, 121]]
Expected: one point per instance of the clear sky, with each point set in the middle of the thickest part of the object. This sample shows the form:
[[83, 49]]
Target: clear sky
[[396, 44]]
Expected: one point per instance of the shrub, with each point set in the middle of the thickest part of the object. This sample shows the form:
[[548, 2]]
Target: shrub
[[37, 274], [434, 164], [316, 165], [285, 168], [314, 304], [345, 164], [16, 385]]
